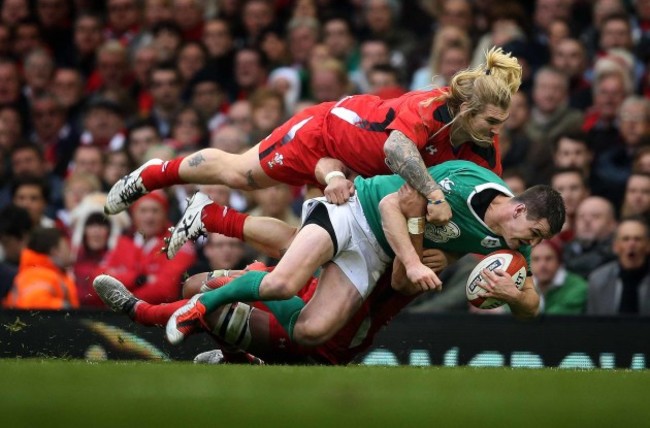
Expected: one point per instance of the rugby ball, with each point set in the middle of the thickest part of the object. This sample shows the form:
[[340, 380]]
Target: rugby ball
[[512, 262]]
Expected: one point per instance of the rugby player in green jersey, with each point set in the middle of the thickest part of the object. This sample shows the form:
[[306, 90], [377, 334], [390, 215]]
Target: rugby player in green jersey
[[353, 243]]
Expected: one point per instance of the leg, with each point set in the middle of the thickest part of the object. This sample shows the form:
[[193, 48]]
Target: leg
[[335, 301], [311, 248]]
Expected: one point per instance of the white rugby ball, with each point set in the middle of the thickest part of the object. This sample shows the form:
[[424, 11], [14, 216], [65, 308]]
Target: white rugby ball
[[512, 262]]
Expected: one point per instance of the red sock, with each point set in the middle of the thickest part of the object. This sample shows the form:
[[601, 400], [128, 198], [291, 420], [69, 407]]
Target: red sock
[[163, 175], [219, 219], [148, 314]]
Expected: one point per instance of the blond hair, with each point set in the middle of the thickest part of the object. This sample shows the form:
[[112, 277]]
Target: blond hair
[[493, 82]]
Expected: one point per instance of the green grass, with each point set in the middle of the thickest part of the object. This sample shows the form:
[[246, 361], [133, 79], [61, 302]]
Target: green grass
[[51, 393]]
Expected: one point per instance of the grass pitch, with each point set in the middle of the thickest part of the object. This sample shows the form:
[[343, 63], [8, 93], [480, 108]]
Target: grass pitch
[[50, 393]]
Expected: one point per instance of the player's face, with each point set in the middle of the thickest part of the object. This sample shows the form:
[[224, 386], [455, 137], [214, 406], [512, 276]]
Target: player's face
[[521, 230], [487, 124]]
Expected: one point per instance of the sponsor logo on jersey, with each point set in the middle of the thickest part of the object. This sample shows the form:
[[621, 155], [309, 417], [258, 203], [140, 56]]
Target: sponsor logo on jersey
[[490, 242], [431, 150], [441, 233]]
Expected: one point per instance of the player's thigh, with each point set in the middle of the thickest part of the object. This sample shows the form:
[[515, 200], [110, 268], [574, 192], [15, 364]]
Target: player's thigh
[[311, 247], [335, 301], [244, 171]]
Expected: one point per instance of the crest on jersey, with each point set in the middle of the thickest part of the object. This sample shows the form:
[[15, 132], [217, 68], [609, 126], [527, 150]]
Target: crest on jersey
[[490, 242], [277, 160], [446, 184], [441, 233]]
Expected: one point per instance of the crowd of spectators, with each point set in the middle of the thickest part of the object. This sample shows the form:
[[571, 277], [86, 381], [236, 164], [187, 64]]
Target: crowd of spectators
[[89, 90]]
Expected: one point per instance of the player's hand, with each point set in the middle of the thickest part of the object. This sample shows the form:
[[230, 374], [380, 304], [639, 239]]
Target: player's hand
[[339, 190], [499, 285], [422, 279], [411, 202], [434, 259], [438, 213]]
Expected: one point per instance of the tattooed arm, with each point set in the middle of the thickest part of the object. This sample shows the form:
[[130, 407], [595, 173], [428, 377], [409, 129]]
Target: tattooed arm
[[403, 158]]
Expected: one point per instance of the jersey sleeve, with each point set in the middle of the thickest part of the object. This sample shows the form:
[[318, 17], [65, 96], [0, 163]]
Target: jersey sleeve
[[415, 120]]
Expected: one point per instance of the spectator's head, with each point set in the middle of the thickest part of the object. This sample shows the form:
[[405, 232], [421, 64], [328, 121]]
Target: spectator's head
[[141, 136], [165, 87], [51, 242], [48, 116], [274, 201], [68, 86], [250, 68], [88, 35], [167, 38], [5, 39], [304, 33], [632, 243], [329, 82], [27, 159], [558, 31], [76, 187], [223, 252], [32, 194], [229, 138], [286, 81], [13, 11], [571, 184], [53, 14], [118, 164], [208, 95], [27, 37], [267, 110], [257, 15], [373, 52], [550, 90], [103, 120], [112, 64], [188, 14], [642, 9], [219, 193], [38, 70], [570, 57], [192, 57], [15, 227], [634, 120], [452, 59], [457, 13], [637, 195], [519, 111], [123, 15], [240, 115], [515, 181], [615, 32], [546, 11], [604, 8], [274, 45], [571, 150], [9, 82], [339, 38], [96, 231], [595, 220], [217, 37], [383, 76], [380, 15], [89, 159], [149, 214], [145, 59], [156, 11], [611, 85], [545, 261], [188, 129], [642, 160]]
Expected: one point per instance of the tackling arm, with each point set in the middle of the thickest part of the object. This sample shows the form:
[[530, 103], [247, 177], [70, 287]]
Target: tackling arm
[[337, 178]]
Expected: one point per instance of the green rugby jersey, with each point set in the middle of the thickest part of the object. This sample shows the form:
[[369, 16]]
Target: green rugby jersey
[[460, 181]]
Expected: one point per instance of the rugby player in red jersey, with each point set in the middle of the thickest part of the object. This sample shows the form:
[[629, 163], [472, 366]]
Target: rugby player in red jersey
[[326, 145]]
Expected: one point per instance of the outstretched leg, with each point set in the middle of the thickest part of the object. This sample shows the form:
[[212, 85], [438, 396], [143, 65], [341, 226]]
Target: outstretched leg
[[207, 166]]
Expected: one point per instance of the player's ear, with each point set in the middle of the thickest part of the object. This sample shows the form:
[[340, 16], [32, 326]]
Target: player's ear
[[520, 209], [464, 108]]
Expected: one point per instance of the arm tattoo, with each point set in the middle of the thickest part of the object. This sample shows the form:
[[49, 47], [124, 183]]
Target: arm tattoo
[[251, 181], [196, 160], [403, 158]]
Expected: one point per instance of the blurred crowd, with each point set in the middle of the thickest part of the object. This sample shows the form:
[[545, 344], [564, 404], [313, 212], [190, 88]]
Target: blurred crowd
[[89, 90]]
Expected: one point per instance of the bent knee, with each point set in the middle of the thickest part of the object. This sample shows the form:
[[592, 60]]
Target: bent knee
[[311, 332], [277, 287]]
